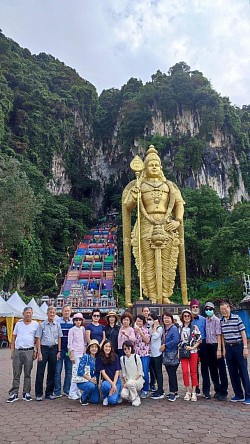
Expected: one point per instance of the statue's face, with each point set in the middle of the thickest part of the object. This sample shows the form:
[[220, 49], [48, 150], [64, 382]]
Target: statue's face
[[153, 168]]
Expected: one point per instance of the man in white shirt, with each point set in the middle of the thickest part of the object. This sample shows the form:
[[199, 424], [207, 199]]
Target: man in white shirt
[[22, 354]]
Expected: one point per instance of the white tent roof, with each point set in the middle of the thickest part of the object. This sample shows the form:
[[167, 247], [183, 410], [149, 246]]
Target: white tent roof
[[37, 312], [6, 310], [44, 307], [16, 302]]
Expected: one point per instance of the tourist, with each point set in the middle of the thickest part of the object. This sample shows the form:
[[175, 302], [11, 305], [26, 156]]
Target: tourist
[[149, 322], [108, 365], [156, 357], [23, 354], [95, 330], [170, 349], [202, 353], [236, 352], [132, 374], [142, 348], [49, 334], [216, 362], [126, 332], [76, 348], [87, 369], [66, 324], [112, 329], [190, 340]]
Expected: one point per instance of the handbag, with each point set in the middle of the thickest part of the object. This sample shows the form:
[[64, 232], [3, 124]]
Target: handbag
[[75, 377], [170, 358], [184, 353]]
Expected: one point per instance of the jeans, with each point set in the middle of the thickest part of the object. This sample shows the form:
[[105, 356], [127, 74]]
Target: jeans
[[49, 356], [89, 391], [172, 377], [106, 386], [237, 367], [64, 358], [156, 367], [145, 360], [22, 359]]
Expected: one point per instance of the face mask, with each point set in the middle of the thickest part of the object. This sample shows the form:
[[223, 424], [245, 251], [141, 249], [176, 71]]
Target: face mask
[[209, 312]]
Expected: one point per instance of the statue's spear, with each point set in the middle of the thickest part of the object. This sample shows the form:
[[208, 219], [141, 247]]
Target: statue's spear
[[137, 166]]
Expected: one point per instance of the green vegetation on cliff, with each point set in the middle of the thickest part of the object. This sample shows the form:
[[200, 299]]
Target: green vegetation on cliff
[[51, 118]]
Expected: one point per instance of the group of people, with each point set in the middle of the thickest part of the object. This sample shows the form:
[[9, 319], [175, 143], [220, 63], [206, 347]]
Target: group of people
[[124, 360]]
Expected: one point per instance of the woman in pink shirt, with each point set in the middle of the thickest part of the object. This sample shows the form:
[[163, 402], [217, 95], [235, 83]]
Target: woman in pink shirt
[[126, 332], [76, 348]]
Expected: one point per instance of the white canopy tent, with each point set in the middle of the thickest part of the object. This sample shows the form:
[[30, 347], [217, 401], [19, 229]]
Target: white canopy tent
[[16, 302], [44, 307], [37, 312], [9, 314]]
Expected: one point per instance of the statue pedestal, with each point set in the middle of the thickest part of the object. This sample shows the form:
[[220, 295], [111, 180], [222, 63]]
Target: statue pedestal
[[174, 309]]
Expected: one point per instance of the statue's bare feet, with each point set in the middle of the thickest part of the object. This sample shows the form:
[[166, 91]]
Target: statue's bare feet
[[167, 301]]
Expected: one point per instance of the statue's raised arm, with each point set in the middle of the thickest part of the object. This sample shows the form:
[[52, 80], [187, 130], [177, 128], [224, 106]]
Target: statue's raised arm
[[157, 238]]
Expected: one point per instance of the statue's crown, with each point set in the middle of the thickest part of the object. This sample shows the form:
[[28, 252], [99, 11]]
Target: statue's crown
[[152, 154]]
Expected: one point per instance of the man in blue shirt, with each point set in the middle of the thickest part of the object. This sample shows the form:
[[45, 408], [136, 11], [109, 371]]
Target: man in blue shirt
[[201, 324], [66, 323]]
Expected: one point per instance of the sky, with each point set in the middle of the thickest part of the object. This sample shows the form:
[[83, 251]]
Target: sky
[[109, 41]]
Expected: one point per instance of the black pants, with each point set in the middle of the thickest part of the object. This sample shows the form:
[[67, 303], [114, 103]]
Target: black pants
[[172, 378], [202, 352], [156, 368], [217, 369], [49, 356]]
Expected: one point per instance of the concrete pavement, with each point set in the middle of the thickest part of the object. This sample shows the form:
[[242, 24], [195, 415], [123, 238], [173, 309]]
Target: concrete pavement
[[63, 421]]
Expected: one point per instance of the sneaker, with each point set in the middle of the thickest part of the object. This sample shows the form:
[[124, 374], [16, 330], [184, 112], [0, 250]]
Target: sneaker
[[143, 395], [84, 401], [176, 395], [136, 402], [58, 396], [194, 397], [153, 388], [197, 391], [27, 397], [216, 395], [119, 400], [39, 398], [50, 397], [247, 401], [187, 396], [74, 398], [222, 398], [13, 398], [156, 395], [105, 401], [207, 396], [237, 399], [172, 397]]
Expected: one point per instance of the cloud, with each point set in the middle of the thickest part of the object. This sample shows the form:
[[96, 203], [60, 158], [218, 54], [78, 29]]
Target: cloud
[[109, 41]]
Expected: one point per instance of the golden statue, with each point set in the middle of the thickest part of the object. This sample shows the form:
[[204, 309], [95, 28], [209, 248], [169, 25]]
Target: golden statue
[[157, 238]]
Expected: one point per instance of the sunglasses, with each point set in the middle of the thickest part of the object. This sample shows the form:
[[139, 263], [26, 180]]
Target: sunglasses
[[77, 319], [96, 316], [195, 306], [186, 316]]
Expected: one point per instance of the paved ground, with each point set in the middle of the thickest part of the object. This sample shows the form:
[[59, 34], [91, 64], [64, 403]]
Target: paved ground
[[63, 421]]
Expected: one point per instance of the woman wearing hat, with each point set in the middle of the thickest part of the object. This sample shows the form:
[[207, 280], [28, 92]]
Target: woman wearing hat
[[87, 369], [112, 329], [190, 340], [76, 348]]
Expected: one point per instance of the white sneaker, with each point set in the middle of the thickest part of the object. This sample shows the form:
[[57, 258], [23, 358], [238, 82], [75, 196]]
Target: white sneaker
[[187, 396], [194, 397], [74, 397], [136, 402], [105, 401]]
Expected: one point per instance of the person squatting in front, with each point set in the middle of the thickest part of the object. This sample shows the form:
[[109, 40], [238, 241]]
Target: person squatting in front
[[87, 369], [108, 365], [132, 374]]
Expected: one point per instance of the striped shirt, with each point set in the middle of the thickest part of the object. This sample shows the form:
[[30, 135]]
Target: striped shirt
[[231, 328], [65, 326]]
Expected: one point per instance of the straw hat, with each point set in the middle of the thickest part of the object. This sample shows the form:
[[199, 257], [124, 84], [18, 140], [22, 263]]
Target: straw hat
[[112, 313], [93, 342]]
